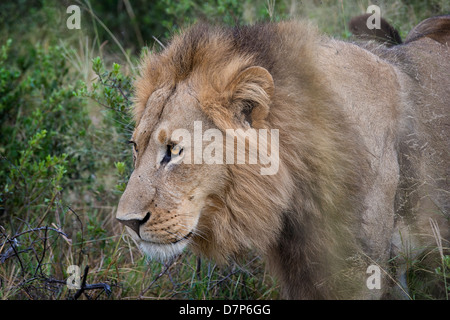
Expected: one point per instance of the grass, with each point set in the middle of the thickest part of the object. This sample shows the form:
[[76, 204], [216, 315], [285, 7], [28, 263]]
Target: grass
[[78, 227], [40, 267]]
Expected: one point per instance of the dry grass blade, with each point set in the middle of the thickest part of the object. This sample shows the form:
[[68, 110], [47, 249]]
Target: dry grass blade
[[438, 238]]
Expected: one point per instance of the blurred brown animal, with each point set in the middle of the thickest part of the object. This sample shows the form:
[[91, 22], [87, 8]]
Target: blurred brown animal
[[387, 34]]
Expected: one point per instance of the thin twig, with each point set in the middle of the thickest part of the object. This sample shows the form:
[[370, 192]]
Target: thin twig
[[80, 257], [12, 243], [159, 42], [43, 252], [238, 269], [167, 266], [118, 87], [83, 284], [37, 229]]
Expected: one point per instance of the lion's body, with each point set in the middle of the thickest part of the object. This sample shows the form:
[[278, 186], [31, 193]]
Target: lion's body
[[363, 153]]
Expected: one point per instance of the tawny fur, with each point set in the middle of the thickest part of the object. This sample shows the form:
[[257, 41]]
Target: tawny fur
[[344, 116]]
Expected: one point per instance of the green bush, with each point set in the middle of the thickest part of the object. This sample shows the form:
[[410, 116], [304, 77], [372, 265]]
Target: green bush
[[40, 118], [112, 91], [54, 158]]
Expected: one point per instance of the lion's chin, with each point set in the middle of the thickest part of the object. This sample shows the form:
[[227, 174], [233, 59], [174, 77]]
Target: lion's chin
[[162, 252]]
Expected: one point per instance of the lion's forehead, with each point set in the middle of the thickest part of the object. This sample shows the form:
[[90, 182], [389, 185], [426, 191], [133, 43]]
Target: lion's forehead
[[167, 112]]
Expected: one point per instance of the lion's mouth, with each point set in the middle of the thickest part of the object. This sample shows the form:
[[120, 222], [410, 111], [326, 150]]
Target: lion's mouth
[[186, 237], [175, 241], [183, 238]]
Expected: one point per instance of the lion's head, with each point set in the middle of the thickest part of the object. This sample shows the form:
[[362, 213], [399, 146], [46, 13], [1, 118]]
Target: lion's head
[[182, 190], [164, 198]]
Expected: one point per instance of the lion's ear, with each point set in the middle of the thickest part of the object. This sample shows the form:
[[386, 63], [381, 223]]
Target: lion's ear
[[250, 94]]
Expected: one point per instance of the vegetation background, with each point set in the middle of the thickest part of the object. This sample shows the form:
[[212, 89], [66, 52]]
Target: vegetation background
[[65, 97]]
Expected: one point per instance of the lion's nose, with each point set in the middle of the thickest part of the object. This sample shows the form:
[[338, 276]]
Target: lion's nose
[[135, 224]]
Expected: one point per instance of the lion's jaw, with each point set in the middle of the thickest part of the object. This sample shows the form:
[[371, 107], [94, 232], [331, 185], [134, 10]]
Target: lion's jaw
[[164, 233], [164, 252]]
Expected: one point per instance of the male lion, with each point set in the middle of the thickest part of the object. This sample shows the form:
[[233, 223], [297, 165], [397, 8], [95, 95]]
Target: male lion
[[363, 170]]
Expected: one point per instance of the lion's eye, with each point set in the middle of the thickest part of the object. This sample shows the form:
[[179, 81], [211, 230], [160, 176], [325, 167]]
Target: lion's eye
[[171, 151]]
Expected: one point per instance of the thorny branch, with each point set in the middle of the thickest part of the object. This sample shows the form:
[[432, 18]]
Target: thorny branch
[[11, 244]]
